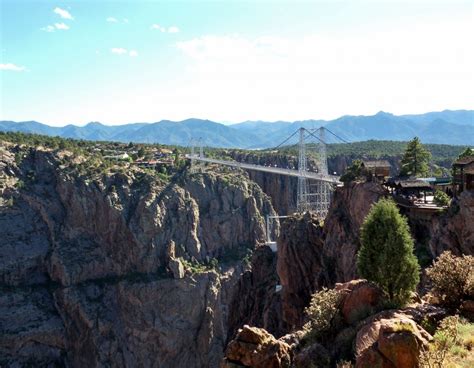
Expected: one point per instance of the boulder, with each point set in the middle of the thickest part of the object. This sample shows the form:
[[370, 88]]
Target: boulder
[[314, 355], [390, 339], [467, 309], [254, 347], [176, 267], [360, 300]]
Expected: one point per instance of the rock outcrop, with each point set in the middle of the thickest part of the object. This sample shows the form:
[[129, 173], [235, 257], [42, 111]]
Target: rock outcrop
[[350, 206], [300, 265], [311, 255], [94, 266], [255, 300], [358, 331], [454, 230], [256, 348], [390, 339], [360, 299]]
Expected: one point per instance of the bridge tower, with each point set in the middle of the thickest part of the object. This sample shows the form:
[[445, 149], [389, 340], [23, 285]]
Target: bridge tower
[[196, 166], [302, 203], [323, 189]]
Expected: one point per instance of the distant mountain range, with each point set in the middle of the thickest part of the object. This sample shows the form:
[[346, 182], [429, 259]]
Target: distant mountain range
[[447, 127]]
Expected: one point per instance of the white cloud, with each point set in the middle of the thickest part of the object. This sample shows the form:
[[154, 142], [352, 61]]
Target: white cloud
[[48, 29], [422, 66], [61, 26], [158, 27], [112, 20], [57, 26], [118, 50], [123, 51], [63, 13], [172, 29], [12, 67], [125, 20]]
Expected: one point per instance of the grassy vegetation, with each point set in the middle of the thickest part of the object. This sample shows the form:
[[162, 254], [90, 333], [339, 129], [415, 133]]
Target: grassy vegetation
[[200, 267], [88, 159], [452, 347]]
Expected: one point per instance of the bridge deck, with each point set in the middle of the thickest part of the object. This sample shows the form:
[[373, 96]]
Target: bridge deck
[[274, 170]]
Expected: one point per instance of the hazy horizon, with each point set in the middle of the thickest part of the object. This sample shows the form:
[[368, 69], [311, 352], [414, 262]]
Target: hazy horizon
[[227, 123]]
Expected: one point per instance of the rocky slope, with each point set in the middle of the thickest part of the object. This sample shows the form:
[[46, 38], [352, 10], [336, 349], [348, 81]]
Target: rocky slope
[[98, 270], [116, 267], [311, 255], [454, 230]]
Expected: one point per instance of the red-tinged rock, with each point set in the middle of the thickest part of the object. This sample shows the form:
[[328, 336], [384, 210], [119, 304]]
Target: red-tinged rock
[[390, 339], [254, 347], [314, 355], [361, 299], [371, 358]]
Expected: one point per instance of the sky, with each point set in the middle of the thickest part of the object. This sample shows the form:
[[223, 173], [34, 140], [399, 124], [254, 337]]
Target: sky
[[73, 62]]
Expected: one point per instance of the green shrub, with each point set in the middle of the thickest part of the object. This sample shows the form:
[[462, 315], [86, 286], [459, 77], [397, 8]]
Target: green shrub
[[452, 278], [321, 313], [20, 184], [386, 256], [444, 340], [441, 198], [353, 172]]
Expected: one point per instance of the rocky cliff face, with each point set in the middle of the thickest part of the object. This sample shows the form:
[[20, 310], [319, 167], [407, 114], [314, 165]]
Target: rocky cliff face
[[255, 300], [454, 229], [300, 265], [312, 255], [350, 206], [85, 263]]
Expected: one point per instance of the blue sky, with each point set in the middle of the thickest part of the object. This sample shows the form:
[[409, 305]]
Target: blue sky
[[117, 62]]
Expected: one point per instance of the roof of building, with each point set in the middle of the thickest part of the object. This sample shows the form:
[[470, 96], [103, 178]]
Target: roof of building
[[166, 150], [376, 163], [464, 161], [412, 184], [409, 183]]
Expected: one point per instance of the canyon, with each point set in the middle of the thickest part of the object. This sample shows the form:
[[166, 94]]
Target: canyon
[[122, 268]]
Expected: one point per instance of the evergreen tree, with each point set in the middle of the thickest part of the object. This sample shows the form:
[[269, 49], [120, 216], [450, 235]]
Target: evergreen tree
[[386, 256], [415, 159], [353, 172], [466, 153]]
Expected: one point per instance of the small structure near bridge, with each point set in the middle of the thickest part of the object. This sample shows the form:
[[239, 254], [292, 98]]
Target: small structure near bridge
[[410, 191], [463, 174], [378, 169]]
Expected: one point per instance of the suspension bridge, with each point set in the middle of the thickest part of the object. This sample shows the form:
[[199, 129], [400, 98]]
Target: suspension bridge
[[317, 200]]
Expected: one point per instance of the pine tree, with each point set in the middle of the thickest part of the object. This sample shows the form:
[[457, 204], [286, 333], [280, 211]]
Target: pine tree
[[415, 159], [466, 153], [386, 256]]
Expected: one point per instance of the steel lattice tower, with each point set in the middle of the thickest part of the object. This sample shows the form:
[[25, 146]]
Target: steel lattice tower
[[323, 189], [302, 196], [195, 167]]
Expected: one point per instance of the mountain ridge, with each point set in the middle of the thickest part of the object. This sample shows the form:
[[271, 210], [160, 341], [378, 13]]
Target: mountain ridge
[[447, 126]]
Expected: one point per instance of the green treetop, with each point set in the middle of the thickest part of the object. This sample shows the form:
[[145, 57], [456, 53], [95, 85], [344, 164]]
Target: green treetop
[[466, 153], [415, 159], [386, 256]]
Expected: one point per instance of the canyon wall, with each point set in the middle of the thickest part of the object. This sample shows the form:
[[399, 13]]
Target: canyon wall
[[97, 270]]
